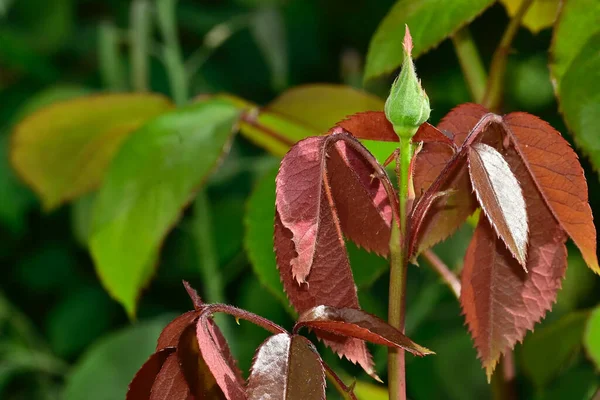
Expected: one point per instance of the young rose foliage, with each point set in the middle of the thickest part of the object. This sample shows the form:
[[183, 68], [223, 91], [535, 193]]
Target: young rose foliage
[[519, 170], [193, 361]]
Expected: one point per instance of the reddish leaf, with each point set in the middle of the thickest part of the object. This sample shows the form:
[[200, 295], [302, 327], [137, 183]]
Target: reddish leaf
[[286, 367], [311, 174], [500, 301], [332, 285], [500, 196], [361, 202], [428, 133], [558, 176], [358, 324], [218, 359], [370, 125], [196, 299], [169, 337], [200, 380], [170, 383], [141, 385]]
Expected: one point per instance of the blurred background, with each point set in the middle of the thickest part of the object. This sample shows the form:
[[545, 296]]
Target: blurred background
[[62, 336]]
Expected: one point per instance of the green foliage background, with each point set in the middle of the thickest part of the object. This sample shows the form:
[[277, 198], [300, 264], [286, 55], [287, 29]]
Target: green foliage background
[[61, 333]]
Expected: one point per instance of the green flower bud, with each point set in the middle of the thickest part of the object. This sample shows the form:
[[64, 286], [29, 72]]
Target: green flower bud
[[407, 106]]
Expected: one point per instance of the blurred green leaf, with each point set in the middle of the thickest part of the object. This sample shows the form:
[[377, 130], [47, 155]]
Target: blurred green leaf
[[63, 150], [530, 82], [591, 338], [369, 391], [50, 268], [429, 22], [81, 218], [304, 111], [576, 384], [268, 30], [579, 95], [577, 22], [540, 15], [577, 285], [258, 240], [547, 352], [151, 179], [15, 198], [87, 311], [437, 378], [105, 370]]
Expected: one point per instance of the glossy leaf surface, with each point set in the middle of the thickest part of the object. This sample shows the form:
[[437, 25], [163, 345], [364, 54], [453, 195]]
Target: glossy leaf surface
[[63, 150], [152, 178], [358, 324], [170, 383], [500, 196], [501, 302], [286, 368], [141, 385]]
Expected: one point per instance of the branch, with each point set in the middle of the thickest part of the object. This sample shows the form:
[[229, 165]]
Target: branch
[[470, 63], [346, 392], [442, 269], [495, 85]]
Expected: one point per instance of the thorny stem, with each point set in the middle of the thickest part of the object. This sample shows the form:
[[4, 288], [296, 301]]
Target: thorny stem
[[398, 270], [495, 85], [346, 392], [470, 63], [442, 269]]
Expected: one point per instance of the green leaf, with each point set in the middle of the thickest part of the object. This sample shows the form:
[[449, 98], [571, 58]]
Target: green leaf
[[429, 21], [151, 179], [304, 111], [546, 352], [577, 22], [105, 371], [63, 150], [591, 339], [579, 95], [540, 15], [258, 240], [369, 391]]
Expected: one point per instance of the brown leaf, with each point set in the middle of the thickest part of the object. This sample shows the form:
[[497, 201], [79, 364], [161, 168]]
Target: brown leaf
[[194, 296], [362, 204], [169, 337], [331, 285], [141, 385], [558, 176], [358, 324], [286, 368], [170, 383], [447, 213], [500, 196], [200, 380], [428, 133], [369, 125], [500, 301], [218, 359], [324, 187]]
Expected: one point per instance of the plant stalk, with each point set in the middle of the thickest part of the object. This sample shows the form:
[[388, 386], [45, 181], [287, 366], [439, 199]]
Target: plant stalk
[[445, 273], [111, 69], [494, 90], [139, 36], [470, 63], [398, 272], [171, 51]]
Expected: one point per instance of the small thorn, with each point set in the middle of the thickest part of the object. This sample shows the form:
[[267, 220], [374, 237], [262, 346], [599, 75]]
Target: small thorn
[[237, 320]]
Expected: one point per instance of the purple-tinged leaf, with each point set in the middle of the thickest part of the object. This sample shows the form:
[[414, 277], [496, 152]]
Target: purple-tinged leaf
[[358, 324], [141, 385], [218, 359], [286, 368], [194, 296], [499, 194], [170, 383], [200, 380], [369, 125], [169, 337]]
